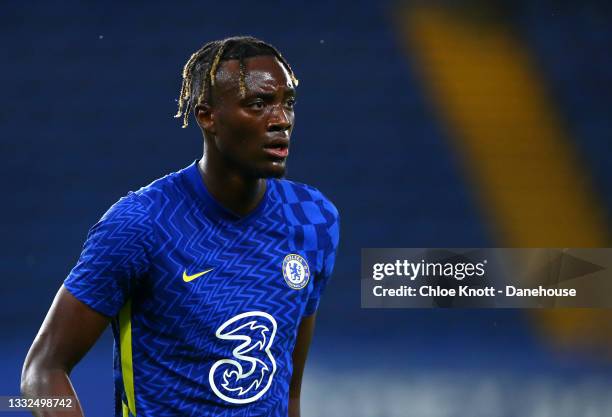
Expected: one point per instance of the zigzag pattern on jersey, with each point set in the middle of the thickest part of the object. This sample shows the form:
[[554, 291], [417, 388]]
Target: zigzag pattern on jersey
[[245, 255], [174, 322], [114, 255]]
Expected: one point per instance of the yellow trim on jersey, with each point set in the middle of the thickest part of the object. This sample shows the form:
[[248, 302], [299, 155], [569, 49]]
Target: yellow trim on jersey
[[125, 345], [124, 408]]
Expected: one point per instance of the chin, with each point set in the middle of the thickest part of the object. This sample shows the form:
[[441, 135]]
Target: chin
[[275, 171]]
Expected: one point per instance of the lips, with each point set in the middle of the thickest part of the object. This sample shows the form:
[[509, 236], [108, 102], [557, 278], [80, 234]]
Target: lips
[[278, 148], [278, 152]]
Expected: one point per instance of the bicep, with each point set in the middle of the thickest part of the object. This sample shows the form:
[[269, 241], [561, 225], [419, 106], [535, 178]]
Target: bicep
[[67, 333]]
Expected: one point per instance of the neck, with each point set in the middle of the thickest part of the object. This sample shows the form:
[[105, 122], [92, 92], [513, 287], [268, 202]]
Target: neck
[[237, 193]]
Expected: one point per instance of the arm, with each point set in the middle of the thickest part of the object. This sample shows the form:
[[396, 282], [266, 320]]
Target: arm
[[67, 333], [300, 352]]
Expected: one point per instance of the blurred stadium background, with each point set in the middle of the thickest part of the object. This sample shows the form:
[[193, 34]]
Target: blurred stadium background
[[464, 124]]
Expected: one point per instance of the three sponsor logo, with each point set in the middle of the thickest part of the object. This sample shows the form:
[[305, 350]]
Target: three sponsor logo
[[248, 373]]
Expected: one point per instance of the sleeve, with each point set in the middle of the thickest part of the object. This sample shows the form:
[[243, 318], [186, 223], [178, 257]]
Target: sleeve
[[115, 255], [330, 239]]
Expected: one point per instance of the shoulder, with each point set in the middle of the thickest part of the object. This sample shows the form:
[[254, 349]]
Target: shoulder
[[138, 206], [307, 198], [126, 223], [161, 193], [166, 185], [126, 208]]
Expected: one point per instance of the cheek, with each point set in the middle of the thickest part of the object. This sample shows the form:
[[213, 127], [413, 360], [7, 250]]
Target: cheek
[[246, 135], [239, 125], [239, 134]]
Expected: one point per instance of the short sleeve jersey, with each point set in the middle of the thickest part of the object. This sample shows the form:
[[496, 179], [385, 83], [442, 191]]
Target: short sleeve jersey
[[205, 305]]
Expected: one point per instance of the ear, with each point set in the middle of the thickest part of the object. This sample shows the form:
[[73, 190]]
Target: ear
[[205, 117]]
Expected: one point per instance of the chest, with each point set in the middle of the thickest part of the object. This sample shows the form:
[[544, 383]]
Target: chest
[[209, 273]]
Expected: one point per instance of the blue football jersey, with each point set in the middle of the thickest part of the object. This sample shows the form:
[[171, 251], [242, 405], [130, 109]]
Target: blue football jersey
[[205, 305]]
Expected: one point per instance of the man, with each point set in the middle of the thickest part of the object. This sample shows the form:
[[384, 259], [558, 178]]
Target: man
[[210, 276]]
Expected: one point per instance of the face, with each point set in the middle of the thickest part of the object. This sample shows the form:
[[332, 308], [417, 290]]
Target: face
[[251, 132]]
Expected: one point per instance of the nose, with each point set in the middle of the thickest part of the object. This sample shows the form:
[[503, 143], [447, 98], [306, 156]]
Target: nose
[[279, 120]]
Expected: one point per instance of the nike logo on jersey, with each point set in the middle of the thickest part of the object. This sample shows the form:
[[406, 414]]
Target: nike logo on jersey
[[189, 278]]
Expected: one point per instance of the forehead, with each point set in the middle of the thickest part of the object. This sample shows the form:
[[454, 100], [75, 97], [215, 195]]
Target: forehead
[[260, 72]]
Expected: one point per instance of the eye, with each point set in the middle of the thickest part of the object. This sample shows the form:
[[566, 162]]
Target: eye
[[290, 103], [257, 104]]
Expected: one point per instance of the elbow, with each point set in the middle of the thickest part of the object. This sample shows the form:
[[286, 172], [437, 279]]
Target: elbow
[[36, 380], [35, 376], [42, 371], [28, 377], [32, 374], [30, 370]]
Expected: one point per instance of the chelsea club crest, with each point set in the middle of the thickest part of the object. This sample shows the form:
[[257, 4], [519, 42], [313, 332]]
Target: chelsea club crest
[[296, 271]]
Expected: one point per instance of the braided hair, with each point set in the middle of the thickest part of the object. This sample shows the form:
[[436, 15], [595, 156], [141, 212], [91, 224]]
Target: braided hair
[[201, 67]]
